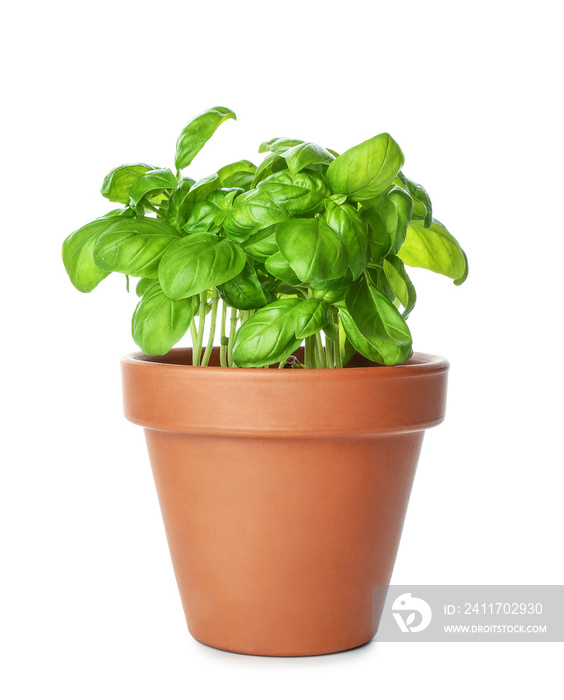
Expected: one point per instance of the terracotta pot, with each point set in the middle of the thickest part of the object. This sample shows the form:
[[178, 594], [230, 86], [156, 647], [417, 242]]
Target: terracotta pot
[[283, 492]]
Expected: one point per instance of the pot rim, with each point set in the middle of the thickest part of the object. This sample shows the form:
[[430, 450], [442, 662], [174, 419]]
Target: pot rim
[[419, 363], [161, 394]]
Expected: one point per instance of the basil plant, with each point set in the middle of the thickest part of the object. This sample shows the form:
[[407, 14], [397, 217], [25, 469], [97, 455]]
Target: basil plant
[[310, 247]]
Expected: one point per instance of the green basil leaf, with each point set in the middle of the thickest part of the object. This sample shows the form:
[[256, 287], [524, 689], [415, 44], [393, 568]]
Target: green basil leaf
[[119, 181], [195, 134], [268, 336], [297, 194], [143, 285], [134, 246], [176, 198], [304, 154], [374, 326], [403, 205], [380, 281], [261, 245], [78, 249], [387, 223], [366, 171], [268, 283], [273, 163], [278, 267], [159, 322], [311, 317], [340, 284], [184, 199], [422, 207], [238, 174], [152, 184], [434, 249], [400, 283], [206, 217], [351, 229], [223, 197], [331, 331], [197, 262], [244, 291], [278, 143], [252, 211], [293, 155], [289, 290], [330, 296], [379, 238], [313, 250], [334, 199], [347, 349]]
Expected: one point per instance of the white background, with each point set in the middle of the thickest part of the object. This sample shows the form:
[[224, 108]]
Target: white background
[[472, 93]]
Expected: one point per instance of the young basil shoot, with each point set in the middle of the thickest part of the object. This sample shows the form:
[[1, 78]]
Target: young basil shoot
[[309, 248]]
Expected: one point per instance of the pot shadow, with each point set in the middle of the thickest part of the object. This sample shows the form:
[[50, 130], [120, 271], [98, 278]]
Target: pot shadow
[[356, 654]]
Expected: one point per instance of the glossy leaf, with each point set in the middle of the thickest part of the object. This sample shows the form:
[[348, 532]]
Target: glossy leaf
[[330, 296], [387, 223], [252, 211], [274, 162], [224, 196], [178, 195], [268, 337], [198, 262], [269, 284], [134, 246], [159, 322], [339, 284], [244, 291], [402, 205], [78, 252], [400, 283], [334, 199], [422, 207], [119, 181], [347, 349], [306, 154], [379, 238], [331, 331], [143, 285], [374, 326], [311, 317], [261, 245], [184, 199], [313, 250], [151, 184], [366, 171], [297, 194], [435, 249], [238, 174], [380, 281], [351, 229], [278, 267], [195, 134], [279, 143], [208, 216]]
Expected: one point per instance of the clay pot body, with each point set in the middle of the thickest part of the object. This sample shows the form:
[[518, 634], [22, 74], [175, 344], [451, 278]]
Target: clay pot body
[[283, 492]]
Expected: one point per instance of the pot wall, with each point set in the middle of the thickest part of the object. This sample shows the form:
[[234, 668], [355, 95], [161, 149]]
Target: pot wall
[[275, 542], [277, 528]]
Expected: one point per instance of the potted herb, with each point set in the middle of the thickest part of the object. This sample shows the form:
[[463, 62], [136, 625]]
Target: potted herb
[[284, 457]]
